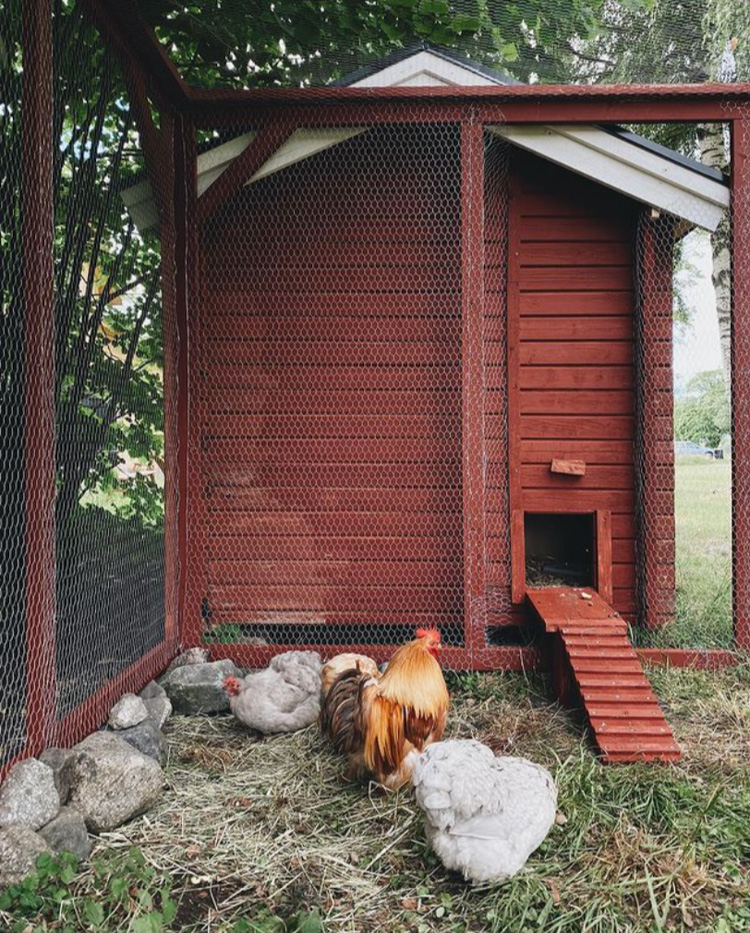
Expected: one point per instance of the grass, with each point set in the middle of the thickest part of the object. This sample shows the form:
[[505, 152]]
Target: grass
[[265, 836], [704, 562]]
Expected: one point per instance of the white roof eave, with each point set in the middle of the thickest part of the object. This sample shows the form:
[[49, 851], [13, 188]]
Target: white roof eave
[[636, 172], [609, 160]]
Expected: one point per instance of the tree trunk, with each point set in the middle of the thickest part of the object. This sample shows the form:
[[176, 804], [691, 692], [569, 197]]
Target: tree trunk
[[712, 153]]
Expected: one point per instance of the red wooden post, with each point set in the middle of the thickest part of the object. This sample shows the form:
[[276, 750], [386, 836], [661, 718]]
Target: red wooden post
[[517, 530], [192, 518], [740, 383], [39, 374], [656, 531], [472, 390]]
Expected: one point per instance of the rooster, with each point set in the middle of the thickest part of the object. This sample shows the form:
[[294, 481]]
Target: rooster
[[382, 723]]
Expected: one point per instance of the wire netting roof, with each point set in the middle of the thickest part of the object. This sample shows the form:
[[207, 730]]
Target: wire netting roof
[[257, 43]]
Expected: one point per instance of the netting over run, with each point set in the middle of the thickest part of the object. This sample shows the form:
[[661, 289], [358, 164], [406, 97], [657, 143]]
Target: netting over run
[[84, 321], [287, 43]]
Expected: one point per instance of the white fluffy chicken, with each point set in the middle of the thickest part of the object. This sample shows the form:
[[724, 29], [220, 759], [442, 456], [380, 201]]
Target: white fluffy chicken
[[347, 662], [284, 697], [485, 815]]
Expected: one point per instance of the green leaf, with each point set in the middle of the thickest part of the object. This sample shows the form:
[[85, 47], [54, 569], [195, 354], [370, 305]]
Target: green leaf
[[509, 51], [465, 23], [93, 913], [434, 7], [148, 923], [168, 908], [309, 923]]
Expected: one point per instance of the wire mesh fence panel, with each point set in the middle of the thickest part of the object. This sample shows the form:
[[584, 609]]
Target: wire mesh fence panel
[[330, 331], [18, 439], [410, 412], [112, 276], [685, 487], [87, 307]]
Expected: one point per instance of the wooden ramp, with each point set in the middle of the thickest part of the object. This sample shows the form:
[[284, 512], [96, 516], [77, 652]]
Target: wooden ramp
[[595, 668]]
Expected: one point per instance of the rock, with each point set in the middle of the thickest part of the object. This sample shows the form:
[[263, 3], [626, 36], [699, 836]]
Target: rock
[[67, 833], [29, 796], [127, 712], [191, 656], [152, 690], [61, 762], [159, 710], [112, 781], [20, 847], [195, 689], [485, 815], [147, 738]]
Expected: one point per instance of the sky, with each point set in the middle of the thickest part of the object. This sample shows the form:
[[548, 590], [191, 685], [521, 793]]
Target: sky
[[696, 347]]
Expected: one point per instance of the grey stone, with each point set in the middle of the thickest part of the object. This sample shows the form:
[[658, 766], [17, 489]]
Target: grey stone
[[159, 710], [61, 761], [68, 833], [195, 689], [191, 656], [127, 712], [112, 781], [29, 796], [152, 690], [20, 847], [484, 815], [147, 738]]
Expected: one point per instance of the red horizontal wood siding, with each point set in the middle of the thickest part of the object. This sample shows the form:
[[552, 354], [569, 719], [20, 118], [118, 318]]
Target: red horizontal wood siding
[[572, 350], [331, 396]]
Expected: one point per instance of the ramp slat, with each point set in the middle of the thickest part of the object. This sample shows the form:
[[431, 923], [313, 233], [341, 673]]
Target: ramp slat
[[591, 642]]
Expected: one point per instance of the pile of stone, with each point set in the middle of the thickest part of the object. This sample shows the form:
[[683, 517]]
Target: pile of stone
[[53, 803]]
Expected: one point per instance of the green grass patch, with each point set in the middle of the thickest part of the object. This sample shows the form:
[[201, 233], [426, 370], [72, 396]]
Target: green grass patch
[[265, 836], [703, 514]]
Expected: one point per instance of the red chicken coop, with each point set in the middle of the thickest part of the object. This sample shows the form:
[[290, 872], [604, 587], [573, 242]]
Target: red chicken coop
[[412, 336]]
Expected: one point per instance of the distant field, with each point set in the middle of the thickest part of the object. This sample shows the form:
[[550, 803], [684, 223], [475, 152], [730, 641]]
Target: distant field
[[704, 577]]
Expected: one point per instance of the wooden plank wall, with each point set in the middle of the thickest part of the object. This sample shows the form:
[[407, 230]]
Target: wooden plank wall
[[331, 398], [571, 353]]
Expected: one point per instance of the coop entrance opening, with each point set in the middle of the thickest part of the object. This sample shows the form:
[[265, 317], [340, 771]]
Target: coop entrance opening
[[560, 549]]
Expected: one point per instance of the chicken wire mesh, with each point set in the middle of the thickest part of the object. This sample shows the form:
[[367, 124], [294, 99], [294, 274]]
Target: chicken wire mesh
[[367, 442], [395, 326], [235, 43], [85, 319], [330, 399]]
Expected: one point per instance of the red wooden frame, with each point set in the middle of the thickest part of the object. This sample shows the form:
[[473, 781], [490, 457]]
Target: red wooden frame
[[472, 296], [154, 77], [39, 375], [740, 383]]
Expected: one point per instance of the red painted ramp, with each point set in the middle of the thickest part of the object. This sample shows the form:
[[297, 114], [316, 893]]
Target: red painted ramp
[[597, 669]]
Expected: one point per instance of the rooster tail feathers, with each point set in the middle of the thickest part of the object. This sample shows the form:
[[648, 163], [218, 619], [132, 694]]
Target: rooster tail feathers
[[385, 736]]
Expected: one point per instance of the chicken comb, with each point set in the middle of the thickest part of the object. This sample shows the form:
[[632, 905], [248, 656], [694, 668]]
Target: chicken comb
[[424, 632]]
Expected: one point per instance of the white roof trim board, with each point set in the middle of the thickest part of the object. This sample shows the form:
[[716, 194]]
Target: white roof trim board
[[424, 69], [641, 174]]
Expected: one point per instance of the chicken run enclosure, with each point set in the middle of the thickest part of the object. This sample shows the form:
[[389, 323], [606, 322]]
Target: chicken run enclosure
[[312, 366]]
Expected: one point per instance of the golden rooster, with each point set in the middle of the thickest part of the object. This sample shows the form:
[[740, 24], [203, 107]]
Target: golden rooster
[[381, 723]]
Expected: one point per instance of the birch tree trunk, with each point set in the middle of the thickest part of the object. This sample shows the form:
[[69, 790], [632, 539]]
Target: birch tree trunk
[[712, 153]]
